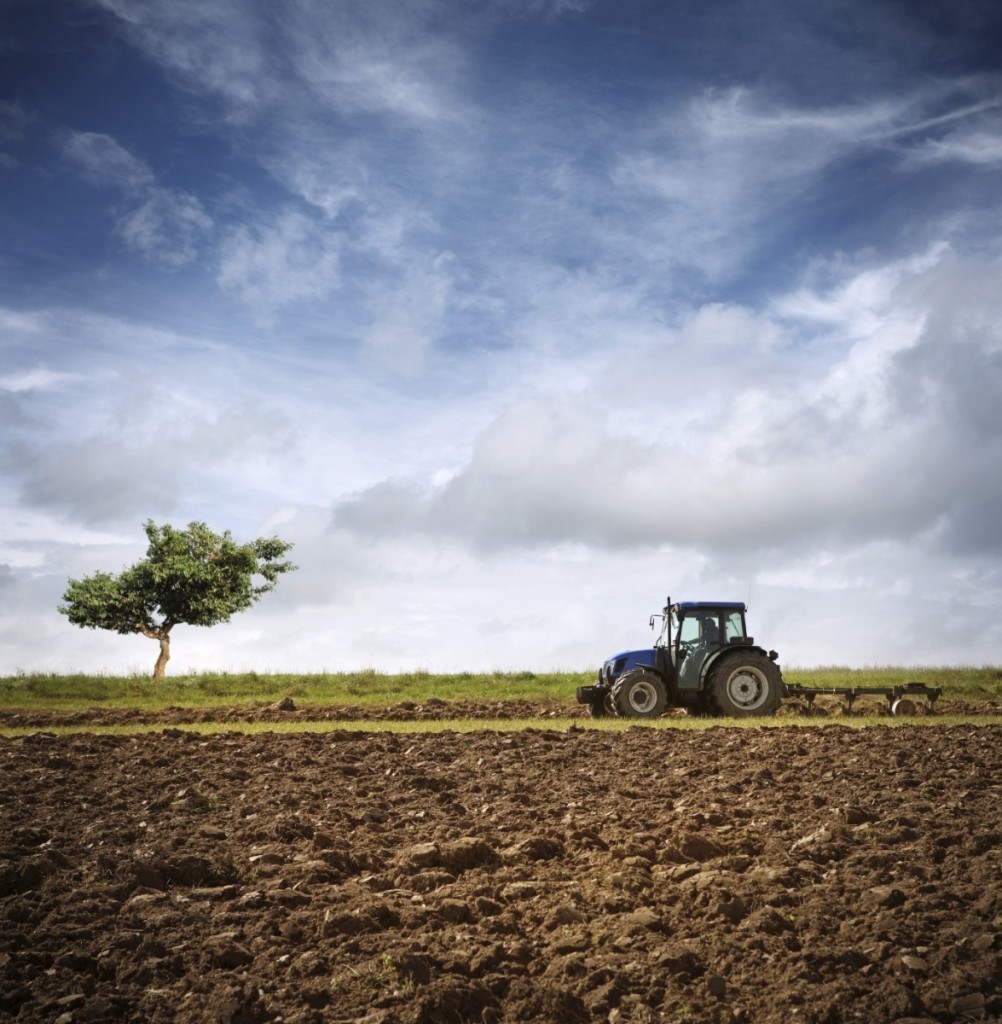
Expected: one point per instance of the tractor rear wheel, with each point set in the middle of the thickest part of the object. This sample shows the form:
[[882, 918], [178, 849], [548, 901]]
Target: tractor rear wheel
[[639, 694], [743, 685]]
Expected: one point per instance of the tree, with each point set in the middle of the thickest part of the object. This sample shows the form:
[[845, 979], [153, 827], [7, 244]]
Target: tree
[[191, 576]]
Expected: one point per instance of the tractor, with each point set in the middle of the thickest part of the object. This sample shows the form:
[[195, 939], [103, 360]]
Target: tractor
[[703, 661]]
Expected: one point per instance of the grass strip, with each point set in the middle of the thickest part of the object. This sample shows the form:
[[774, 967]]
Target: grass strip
[[468, 725], [76, 692]]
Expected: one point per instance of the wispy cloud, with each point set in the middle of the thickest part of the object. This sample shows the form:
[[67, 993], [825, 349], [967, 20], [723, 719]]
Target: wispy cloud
[[730, 167], [410, 319], [220, 45], [13, 123], [165, 225], [356, 57], [978, 146], [271, 264], [375, 58], [37, 379], [102, 161]]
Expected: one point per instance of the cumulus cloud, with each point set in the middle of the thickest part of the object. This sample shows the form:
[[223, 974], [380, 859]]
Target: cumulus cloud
[[896, 436], [127, 443], [110, 478], [544, 475], [100, 480]]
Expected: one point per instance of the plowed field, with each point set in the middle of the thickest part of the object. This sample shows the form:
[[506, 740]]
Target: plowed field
[[726, 875]]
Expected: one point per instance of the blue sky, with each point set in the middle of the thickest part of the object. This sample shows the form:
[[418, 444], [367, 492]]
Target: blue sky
[[515, 316]]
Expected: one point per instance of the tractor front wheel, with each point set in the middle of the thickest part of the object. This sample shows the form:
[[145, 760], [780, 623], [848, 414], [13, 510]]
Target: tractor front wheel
[[639, 694], [744, 685], [601, 706]]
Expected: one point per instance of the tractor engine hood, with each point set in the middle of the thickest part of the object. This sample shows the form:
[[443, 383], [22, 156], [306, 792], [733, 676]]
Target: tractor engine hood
[[615, 666]]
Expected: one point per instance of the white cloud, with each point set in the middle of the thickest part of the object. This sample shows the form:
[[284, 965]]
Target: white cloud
[[271, 264], [727, 167], [168, 227], [217, 45], [102, 161], [982, 147], [727, 162], [410, 319], [367, 57], [375, 58], [37, 379], [848, 447], [125, 420], [972, 134], [165, 225], [145, 460], [826, 479]]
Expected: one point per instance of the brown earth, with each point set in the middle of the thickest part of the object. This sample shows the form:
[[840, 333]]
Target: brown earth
[[823, 875], [286, 710]]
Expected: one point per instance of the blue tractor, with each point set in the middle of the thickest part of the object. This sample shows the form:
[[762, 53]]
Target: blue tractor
[[703, 661]]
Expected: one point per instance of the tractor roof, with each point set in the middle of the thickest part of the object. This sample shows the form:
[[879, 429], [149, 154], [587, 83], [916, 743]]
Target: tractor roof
[[685, 607]]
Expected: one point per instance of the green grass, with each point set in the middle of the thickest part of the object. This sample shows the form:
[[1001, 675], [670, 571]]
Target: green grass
[[984, 683], [220, 689], [469, 725], [40, 691]]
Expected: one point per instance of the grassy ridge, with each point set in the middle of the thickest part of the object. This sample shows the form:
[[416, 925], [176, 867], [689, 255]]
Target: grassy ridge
[[373, 689], [218, 689]]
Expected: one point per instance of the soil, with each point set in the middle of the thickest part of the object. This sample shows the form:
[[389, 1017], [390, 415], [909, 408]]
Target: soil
[[721, 875]]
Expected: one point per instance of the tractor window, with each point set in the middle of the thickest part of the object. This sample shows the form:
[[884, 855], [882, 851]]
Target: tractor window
[[690, 631], [734, 625], [667, 622]]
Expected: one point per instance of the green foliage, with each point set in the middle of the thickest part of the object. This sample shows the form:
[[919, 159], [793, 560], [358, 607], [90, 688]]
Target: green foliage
[[192, 576]]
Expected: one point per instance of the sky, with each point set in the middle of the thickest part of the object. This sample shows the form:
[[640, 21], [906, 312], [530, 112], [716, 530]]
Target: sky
[[515, 316]]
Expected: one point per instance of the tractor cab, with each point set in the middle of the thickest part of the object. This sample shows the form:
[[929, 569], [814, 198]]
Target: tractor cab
[[693, 632]]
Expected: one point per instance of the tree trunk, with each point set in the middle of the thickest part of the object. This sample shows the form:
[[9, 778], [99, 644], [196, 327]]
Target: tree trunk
[[161, 666]]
